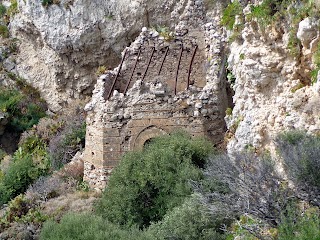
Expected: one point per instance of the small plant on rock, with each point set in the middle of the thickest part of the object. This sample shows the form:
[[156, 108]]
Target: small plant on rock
[[229, 14], [229, 111], [4, 32], [101, 70], [13, 9], [3, 10], [164, 32], [316, 60], [46, 3]]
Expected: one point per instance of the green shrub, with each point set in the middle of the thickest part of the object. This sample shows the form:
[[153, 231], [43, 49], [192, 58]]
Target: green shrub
[[147, 184], [87, 227], [9, 100], [17, 207], [16, 179], [29, 162], [25, 120], [316, 60], [23, 210], [2, 155], [4, 32], [46, 3], [268, 11], [291, 137], [190, 221], [68, 144], [229, 14], [3, 10], [301, 156], [262, 13], [21, 108], [164, 32], [298, 226], [13, 9]]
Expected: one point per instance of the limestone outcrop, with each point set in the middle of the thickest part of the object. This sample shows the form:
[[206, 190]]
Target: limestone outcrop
[[62, 44], [273, 90]]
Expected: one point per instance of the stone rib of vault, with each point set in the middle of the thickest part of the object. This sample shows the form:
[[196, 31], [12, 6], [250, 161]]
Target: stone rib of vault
[[150, 107]]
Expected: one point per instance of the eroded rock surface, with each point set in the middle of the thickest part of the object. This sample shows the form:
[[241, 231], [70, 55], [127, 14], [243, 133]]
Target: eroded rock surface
[[273, 89], [62, 45]]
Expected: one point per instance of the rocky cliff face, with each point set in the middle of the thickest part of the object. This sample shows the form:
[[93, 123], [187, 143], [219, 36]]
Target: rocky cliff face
[[273, 90], [62, 44]]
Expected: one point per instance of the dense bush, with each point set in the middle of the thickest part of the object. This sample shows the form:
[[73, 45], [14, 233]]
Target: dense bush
[[29, 162], [190, 221], [149, 183], [301, 157], [87, 227], [67, 143], [144, 188], [229, 14], [23, 210], [247, 184], [300, 226], [13, 9], [4, 31], [22, 110], [150, 190], [3, 10]]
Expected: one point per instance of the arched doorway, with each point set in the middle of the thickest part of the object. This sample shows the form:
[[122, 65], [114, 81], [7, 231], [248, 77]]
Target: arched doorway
[[146, 135]]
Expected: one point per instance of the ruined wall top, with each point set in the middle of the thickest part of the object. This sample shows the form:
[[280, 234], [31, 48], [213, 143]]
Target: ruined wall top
[[165, 81]]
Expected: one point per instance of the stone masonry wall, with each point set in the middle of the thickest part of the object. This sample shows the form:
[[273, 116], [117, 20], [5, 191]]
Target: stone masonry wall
[[120, 120]]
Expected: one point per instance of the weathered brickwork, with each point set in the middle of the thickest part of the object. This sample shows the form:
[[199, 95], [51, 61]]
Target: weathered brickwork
[[161, 86]]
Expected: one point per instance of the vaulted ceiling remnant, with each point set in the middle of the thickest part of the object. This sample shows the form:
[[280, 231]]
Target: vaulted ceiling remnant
[[161, 85], [169, 63]]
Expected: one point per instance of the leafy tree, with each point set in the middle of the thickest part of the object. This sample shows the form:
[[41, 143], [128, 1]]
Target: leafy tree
[[148, 184]]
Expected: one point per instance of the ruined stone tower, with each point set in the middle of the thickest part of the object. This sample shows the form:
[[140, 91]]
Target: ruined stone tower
[[165, 81]]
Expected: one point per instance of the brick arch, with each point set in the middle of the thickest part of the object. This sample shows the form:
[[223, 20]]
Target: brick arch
[[147, 134]]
